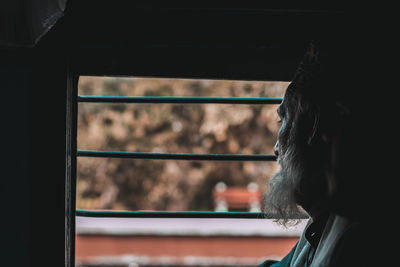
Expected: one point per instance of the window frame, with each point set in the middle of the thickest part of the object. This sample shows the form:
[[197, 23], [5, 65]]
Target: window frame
[[265, 58], [74, 98]]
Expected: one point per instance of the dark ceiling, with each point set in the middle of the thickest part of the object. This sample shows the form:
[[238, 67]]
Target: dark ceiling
[[209, 40]]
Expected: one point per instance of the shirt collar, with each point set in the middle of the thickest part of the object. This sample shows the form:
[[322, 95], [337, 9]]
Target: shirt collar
[[314, 231]]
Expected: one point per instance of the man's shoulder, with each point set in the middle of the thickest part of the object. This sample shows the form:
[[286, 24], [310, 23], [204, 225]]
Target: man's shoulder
[[267, 263], [342, 243], [285, 262]]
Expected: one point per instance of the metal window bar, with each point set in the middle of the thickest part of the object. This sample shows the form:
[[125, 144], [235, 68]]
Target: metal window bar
[[171, 214], [175, 156], [179, 100]]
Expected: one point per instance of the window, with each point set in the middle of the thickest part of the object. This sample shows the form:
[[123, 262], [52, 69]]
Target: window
[[172, 162]]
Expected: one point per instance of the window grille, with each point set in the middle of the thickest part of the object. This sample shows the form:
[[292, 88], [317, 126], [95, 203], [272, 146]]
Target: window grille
[[174, 156]]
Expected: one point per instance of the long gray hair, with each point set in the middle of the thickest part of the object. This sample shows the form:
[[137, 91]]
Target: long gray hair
[[314, 115], [301, 184]]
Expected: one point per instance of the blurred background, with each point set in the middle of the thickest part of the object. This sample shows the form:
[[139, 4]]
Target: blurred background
[[173, 185]]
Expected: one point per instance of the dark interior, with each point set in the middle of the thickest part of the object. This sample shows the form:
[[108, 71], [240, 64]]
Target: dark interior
[[130, 38]]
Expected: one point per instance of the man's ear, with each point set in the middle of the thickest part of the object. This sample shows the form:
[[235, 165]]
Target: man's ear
[[314, 130], [326, 138], [329, 135]]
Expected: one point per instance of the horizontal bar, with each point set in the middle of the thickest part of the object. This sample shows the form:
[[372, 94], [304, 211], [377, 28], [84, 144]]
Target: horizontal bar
[[186, 214], [179, 100], [173, 156], [166, 214]]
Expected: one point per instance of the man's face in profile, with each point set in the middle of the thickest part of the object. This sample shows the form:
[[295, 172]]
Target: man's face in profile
[[301, 183], [281, 198], [282, 133]]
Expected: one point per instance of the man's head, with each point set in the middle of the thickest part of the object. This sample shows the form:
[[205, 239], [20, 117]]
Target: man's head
[[310, 123], [303, 157]]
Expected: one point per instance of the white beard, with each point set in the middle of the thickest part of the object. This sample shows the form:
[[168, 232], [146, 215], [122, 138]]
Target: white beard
[[280, 202]]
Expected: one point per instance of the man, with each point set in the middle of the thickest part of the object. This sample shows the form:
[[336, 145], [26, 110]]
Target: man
[[319, 175]]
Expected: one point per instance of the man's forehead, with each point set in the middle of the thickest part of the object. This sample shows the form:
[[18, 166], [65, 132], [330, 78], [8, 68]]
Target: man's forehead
[[280, 109], [288, 98]]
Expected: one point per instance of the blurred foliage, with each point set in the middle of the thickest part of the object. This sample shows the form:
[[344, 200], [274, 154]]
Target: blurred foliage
[[127, 184]]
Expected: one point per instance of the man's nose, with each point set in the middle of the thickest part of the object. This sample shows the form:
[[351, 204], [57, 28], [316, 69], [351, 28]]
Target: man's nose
[[276, 149]]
